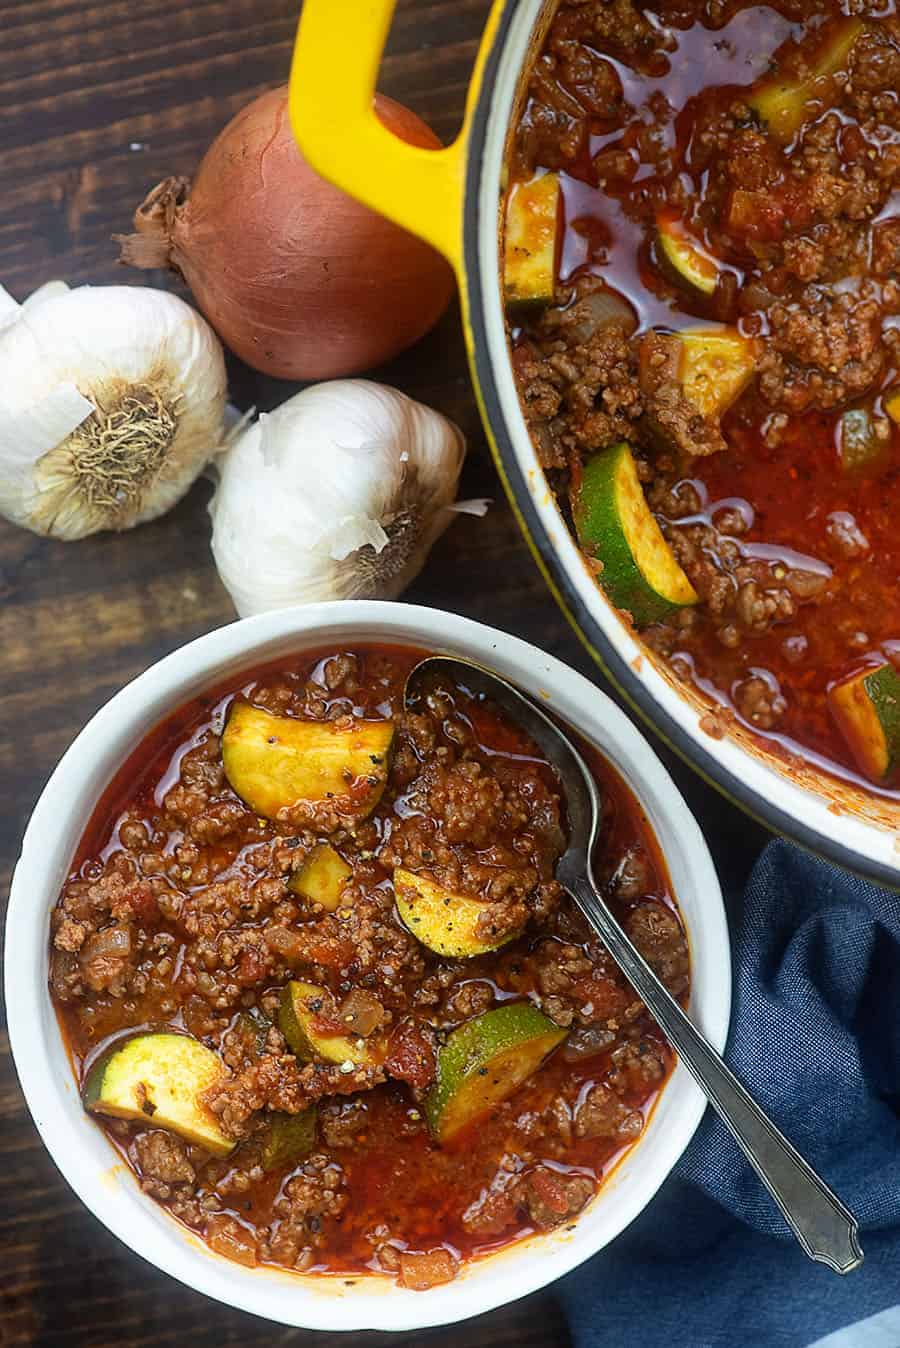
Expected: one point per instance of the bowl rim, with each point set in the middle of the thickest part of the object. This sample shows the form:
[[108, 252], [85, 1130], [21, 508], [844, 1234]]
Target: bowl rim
[[745, 778], [109, 1190]]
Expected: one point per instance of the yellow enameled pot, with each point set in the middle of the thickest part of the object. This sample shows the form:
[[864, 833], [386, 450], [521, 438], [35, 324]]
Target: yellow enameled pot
[[452, 198]]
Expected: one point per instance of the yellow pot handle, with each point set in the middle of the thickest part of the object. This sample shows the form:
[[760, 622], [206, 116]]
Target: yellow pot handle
[[337, 56]]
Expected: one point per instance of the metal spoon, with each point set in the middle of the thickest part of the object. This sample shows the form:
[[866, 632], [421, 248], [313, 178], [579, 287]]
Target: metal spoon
[[826, 1230]]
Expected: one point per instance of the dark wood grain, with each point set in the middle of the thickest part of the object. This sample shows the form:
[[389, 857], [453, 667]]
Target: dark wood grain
[[98, 101]]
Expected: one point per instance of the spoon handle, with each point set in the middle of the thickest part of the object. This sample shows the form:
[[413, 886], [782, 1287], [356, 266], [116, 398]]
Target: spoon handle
[[826, 1230]]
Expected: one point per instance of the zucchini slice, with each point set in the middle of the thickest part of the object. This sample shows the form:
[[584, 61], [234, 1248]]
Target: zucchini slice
[[866, 708], [716, 366], [783, 104], [290, 1139], [299, 1015], [159, 1078], [862, 452], [441, 919], [321, 877], [684, 256], [616, 526], [254, 1029], [532, 238], [484, 1061], [278, 764]]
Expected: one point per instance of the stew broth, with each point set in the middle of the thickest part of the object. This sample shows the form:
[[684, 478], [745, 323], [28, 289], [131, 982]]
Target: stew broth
[[179, 915]]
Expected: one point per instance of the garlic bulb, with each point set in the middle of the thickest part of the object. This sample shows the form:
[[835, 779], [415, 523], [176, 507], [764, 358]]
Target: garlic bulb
[[338, 494], [112, 400]]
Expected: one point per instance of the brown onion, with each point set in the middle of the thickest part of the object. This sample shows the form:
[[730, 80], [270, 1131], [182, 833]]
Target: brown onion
[[296, 277], [360, 1012]]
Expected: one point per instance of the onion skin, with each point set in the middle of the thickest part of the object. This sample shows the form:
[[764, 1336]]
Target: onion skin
[[298, 279]]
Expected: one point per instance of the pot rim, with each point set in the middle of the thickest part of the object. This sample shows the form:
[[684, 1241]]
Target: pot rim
[[80, 1149], [765, 793]]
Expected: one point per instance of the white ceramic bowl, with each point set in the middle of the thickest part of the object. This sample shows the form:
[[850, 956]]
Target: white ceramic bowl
[[79, 1147]]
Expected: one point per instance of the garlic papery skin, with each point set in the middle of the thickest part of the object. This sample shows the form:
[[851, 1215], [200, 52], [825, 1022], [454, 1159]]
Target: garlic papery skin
[[338, 494], [112, 401]]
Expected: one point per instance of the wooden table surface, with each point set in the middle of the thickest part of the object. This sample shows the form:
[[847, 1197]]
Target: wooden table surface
[[99, 100]]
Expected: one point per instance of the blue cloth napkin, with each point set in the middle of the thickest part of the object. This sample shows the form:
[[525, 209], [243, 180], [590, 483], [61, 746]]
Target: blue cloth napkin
[[816, 1037]]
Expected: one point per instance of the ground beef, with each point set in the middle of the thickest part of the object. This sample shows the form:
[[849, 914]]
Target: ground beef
[[554, 121], [201, 800], [593, 81], [583, 987], [617, 22], [824, 348], [601, 1113], [638, 1066], [584, 385], [587, 1041], [886, 249], [341, 673], [570, 83], [579, 393], [760, 701], [667, 412], [660, 938], [577, 987], [341, 1124], [472, 805], [481, 829], [633, 874], [250, 1036], [99, 942], [310, 1201], [281, 1083], [742, 593], [163, 1162], [468, 999], [552, 1198], [496, 1206], [875, 64], [844, 535]]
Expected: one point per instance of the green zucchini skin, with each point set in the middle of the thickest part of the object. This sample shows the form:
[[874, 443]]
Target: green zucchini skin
[[532, 242], [609, 503], [683, 257], [866, 708], [297, 1024], [484, 1061], [782, 104], [440, 919], [291, 1139], [862, 452], [92, 1090], [159, 1079], [883, 687]]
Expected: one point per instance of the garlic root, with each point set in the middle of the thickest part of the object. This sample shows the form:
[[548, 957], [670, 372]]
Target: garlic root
[[112, 400]]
